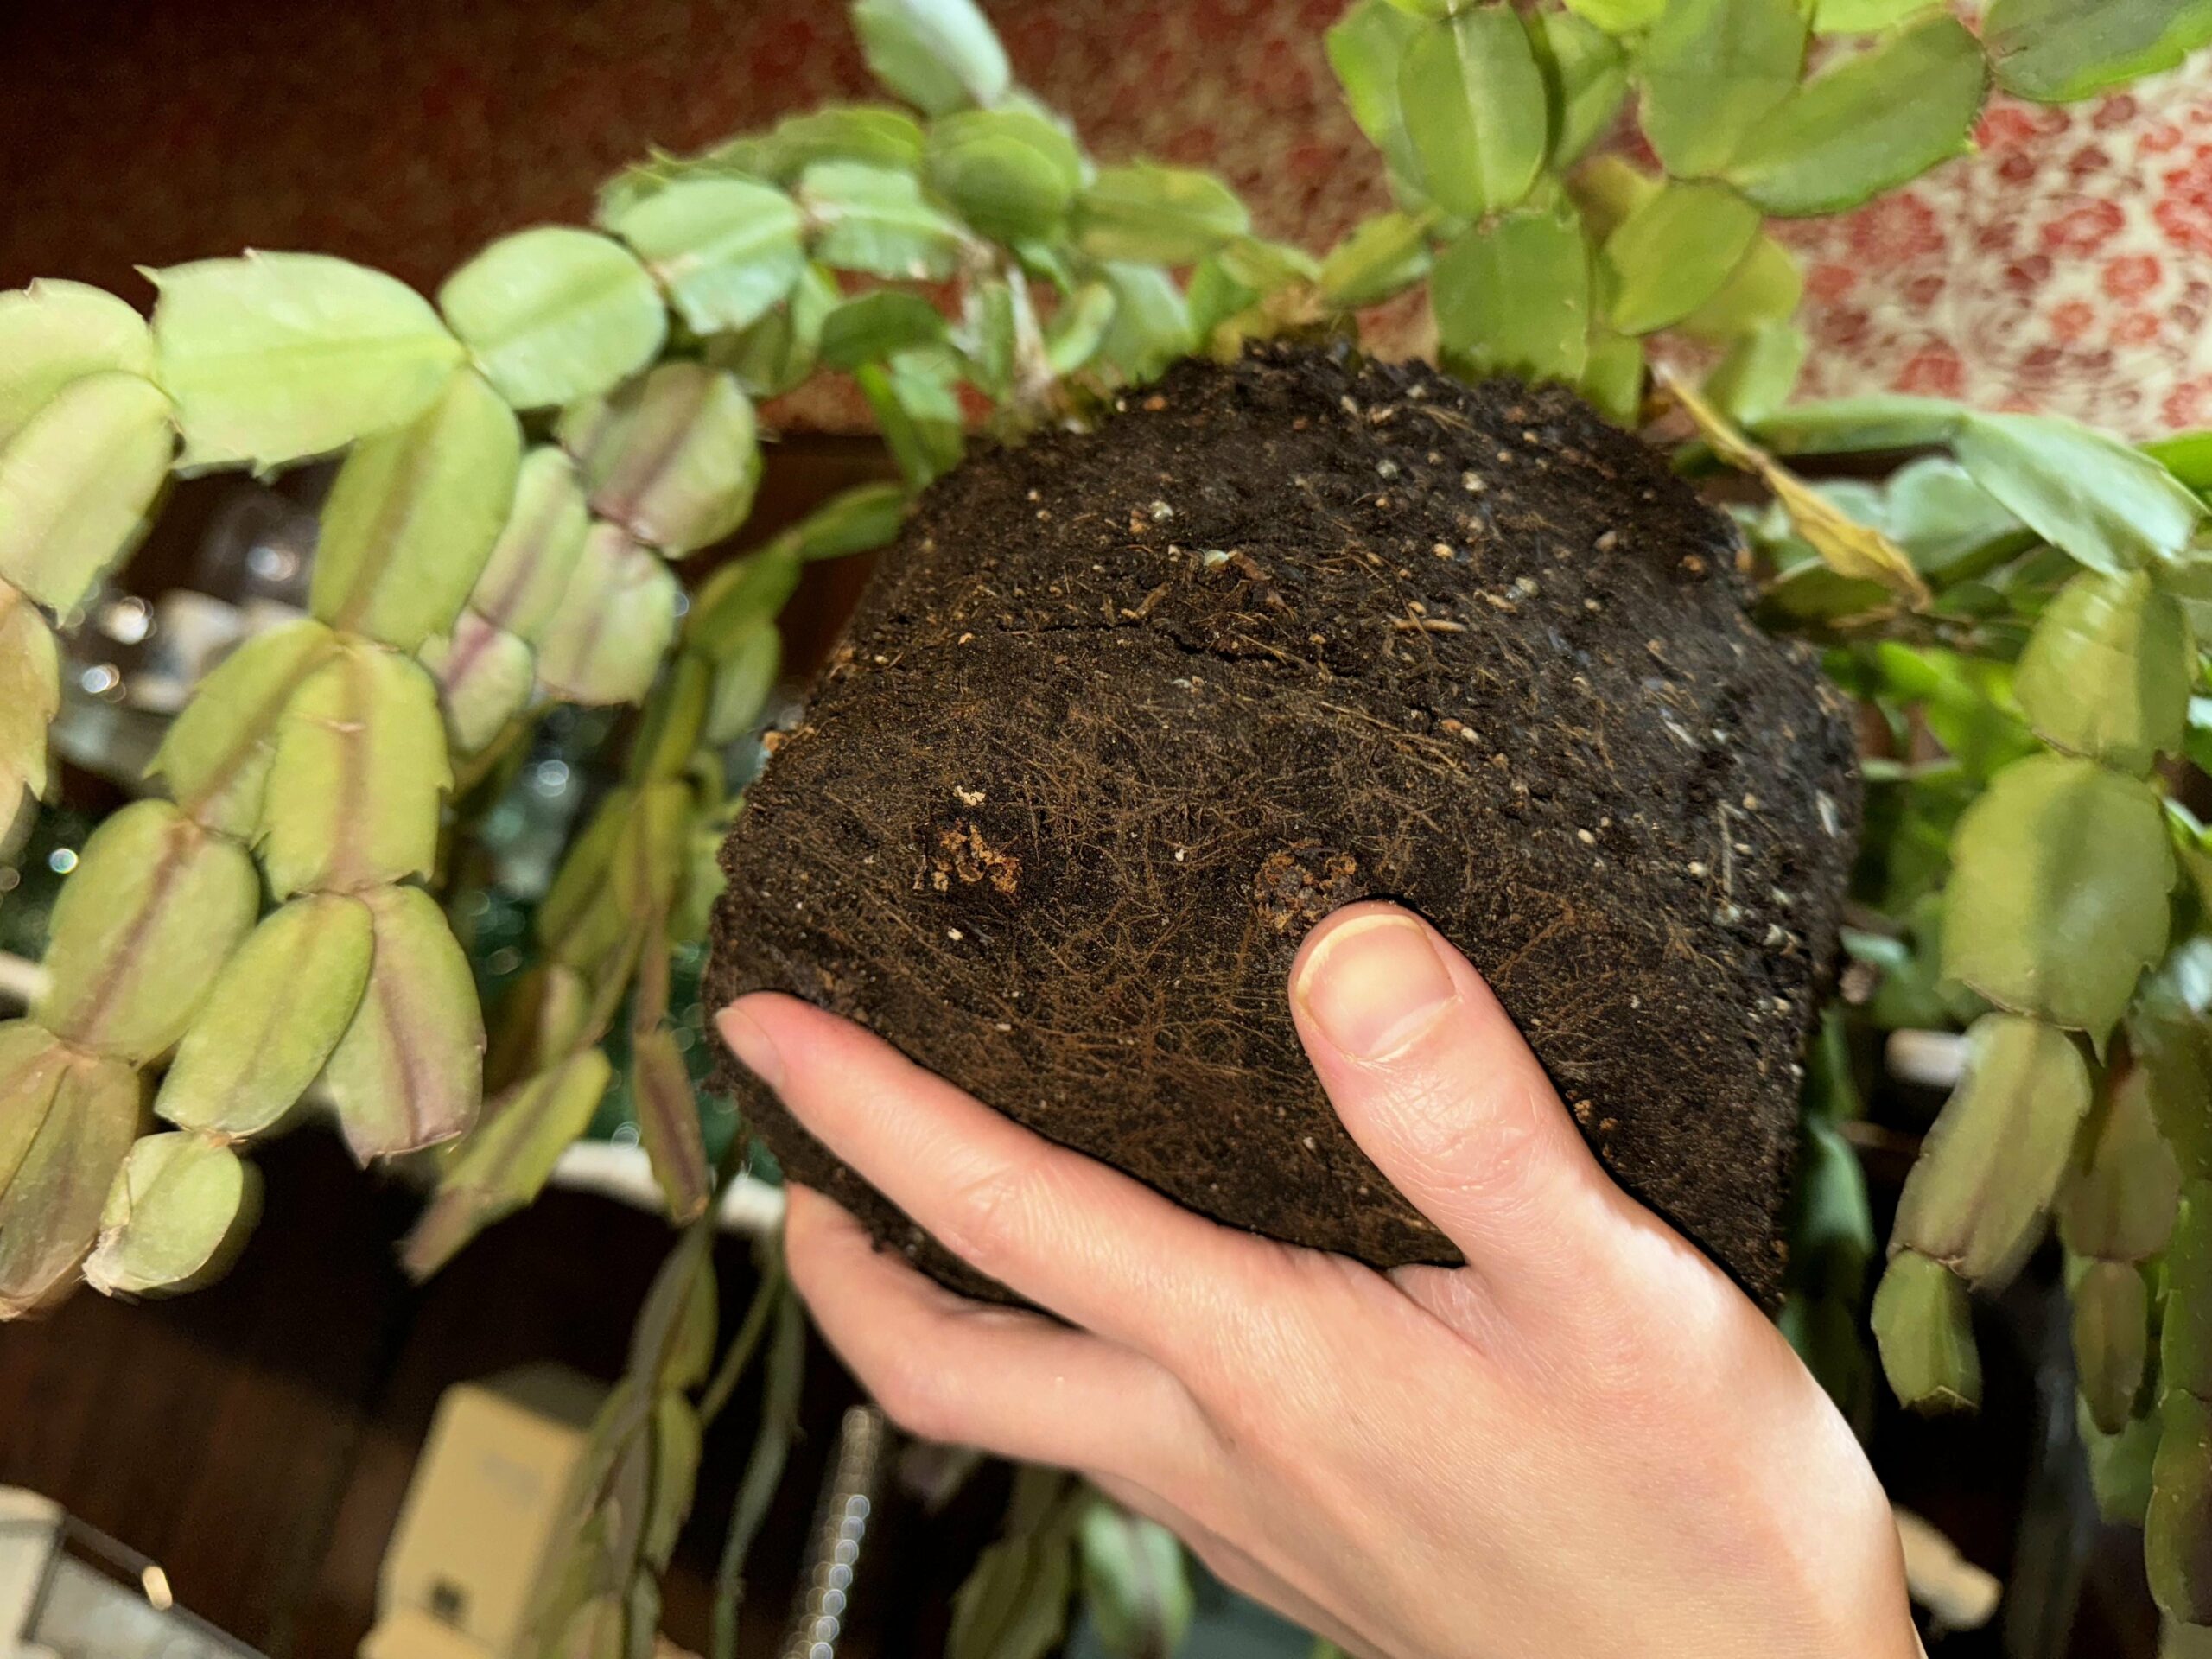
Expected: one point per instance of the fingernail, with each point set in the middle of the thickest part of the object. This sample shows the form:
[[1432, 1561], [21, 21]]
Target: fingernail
[[1375, 984], [756, 1049]]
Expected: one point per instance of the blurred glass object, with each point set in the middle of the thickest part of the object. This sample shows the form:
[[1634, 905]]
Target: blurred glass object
[[67, 1592]]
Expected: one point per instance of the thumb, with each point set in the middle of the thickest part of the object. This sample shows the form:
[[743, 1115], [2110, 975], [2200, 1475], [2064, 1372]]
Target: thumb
[[1426, 1070]]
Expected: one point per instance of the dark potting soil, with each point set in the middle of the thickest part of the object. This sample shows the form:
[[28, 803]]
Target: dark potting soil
[[1124, 714]]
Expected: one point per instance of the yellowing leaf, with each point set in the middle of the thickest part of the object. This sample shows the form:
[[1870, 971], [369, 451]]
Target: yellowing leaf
[[1846, 546], [32, 1062], [276, 357], [409, 1073], [175, 1218], [354, 787], [273, 1015], [77, 482], [555, 314], [154, 907]]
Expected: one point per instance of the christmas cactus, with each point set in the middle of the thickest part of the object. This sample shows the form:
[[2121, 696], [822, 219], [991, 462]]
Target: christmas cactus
[[532, 457]]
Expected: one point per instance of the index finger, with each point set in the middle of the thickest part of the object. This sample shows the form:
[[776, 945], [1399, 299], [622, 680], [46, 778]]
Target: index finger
[[1067, 1233]]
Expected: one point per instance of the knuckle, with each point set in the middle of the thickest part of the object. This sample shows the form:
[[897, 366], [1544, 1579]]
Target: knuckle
[[916, 1395], [1479, 1141], [990, 1216]]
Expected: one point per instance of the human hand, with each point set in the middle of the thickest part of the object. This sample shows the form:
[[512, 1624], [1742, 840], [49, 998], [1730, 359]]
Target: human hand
[[1586, 1442]]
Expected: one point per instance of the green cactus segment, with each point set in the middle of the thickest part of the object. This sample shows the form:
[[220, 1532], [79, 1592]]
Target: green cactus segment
[[555, 314], [1377, 260], [409, 1070], [507, 1162], [50, 1208], [278, 357], [2185, 1350], [1476, 110], [1585, 82], [2112, 1340], [77, 483], [30, 696], [32, 1062], [1992, 1164], [1673, 253], [2178, 1526], [1759, 374], [1924, 1327], [358, 770], [875, 219], [778, 353], [177, 1214], [648, 863], [2120, 1464], [530, 564], [2107, 670], [744, 680], [725, 249], [54, 333], [1873, 123], [2055, 51], [1513, 296], [2057, 897], [2120, 1203], [674, 720], [2105, 505], [937, 54], [604, 642], [2170, 1027], [1011, 173], [275, 1011], [1366, 48], [572, 918], [1764, 287], [668, 1123], [214, 758], [1714, 72], [485, 676], [671, 456], [738, 598], [1136, 1582], [1153, 215], [154, 907], [413, 516]]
